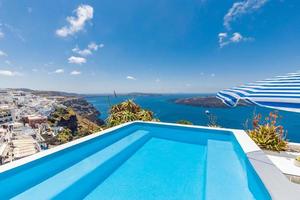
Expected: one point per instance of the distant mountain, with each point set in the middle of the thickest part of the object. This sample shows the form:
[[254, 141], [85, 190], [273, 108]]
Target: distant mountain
[[46, 93], [20, 89], [55, 93], [207, 102], [70, 94]]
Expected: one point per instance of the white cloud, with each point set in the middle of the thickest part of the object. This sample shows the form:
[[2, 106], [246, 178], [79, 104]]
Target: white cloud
[[237, 10], [84, 52], [241, 8], [89, 50], [9, 73], [93, 46], [2, 53], [222, 38], [34, 70], [59, 71], [75, 72], [236, 37], [130, 78], [76, 60], [84, 13]]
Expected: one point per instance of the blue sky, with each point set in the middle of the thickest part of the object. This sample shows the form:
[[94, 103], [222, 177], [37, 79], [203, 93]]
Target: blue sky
[[148, 46]]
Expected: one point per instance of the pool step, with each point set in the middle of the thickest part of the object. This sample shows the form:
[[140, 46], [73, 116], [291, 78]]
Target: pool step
[[224, 172], [37, 171], [160, 170], [77, 180]]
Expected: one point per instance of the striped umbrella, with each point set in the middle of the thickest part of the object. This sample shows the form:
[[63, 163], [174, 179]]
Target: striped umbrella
[[281, 92]]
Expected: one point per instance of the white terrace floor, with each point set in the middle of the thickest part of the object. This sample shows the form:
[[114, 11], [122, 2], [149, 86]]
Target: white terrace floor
[[285, 162]]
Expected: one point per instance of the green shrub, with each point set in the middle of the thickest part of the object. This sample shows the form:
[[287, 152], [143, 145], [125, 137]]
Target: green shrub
[[64, 136], [267, 134], [184, 122], [128, 111]]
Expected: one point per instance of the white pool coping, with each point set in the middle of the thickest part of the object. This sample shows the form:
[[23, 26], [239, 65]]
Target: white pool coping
[[276, 183], [41, 154]]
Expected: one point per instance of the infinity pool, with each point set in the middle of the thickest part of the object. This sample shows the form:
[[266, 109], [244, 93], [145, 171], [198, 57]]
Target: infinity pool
[[140, 161]]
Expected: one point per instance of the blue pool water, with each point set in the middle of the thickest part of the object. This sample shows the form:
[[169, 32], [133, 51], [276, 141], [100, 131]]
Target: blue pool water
[[167, 111], [141, 161]]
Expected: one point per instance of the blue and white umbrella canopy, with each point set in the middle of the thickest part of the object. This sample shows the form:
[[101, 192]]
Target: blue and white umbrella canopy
[[281, 92]]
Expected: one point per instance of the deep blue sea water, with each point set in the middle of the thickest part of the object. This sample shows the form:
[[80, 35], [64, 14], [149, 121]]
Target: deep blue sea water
[[167, 111]]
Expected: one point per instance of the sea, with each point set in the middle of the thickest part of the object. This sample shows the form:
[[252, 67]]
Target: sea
[[166, 110]]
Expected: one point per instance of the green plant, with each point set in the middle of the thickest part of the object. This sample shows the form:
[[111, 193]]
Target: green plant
[[212, 121], [267, 134], [297, 158], [184, 122], [64, 136], [128, 111]]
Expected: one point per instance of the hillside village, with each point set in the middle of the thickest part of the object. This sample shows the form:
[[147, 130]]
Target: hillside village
[[32, 121]]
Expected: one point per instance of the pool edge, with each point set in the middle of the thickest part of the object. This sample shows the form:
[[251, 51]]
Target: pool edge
[[47, 152], [275, 182], [278, 186]]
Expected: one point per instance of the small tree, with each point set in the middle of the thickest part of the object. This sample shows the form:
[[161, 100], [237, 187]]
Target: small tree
[[267, 134], [128, 111], [64, 136], [212, 120]]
